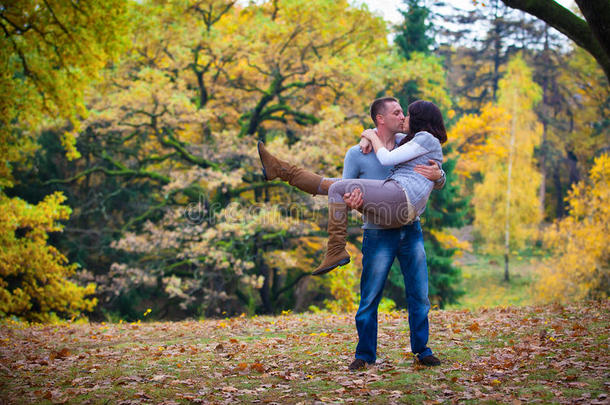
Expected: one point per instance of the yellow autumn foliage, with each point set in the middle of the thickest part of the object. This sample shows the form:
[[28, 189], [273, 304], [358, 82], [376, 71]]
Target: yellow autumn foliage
[[449, 241], [469, 139], [580, 267], [49, 54], [343, 283], [34, 276], [506, 201]]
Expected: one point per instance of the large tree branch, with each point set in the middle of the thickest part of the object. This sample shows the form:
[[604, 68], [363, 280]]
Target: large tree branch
[[173, 142], [259, 186], [123, 171], [597, 14], [300, 117], [208, 16], [572, 26], [291, 284]]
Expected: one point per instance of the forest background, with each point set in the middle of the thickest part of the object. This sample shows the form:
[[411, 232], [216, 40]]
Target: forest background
[[131, 185]]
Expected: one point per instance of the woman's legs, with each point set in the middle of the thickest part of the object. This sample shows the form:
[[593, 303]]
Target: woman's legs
[[325, 185], [336, 255], [298, 177], [384, 203]]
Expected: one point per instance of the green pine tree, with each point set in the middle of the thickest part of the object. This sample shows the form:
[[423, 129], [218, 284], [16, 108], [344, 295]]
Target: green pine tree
[[445, 209], [413, 34]]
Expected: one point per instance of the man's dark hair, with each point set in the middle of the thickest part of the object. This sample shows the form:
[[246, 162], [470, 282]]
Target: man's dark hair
[[425, 116], [378, 107]]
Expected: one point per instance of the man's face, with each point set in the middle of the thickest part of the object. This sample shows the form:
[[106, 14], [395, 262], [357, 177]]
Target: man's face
[[393, 117]]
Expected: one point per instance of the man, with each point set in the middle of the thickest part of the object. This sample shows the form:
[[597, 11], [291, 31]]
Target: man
[[381, 245]]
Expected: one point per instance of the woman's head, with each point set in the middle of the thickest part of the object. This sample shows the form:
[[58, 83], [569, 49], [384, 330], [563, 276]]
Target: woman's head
[[425, 116]]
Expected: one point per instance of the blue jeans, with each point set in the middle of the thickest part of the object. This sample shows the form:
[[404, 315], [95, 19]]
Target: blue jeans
[[379, 248]]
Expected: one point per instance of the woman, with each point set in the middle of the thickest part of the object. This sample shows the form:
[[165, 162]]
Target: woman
[[393, 202]]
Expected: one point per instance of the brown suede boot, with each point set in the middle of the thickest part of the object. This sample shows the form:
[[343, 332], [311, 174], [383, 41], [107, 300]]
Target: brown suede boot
[[336, 255], [297, 177]]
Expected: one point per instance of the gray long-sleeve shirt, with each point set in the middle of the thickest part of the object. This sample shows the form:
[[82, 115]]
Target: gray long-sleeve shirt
[[358, 165]]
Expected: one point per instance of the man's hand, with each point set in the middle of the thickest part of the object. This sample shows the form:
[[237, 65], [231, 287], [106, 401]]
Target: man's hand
[[354, 199], [432, 171], [365, 146]]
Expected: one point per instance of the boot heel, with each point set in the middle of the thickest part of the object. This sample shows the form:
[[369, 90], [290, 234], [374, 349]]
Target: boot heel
[[260, 156]]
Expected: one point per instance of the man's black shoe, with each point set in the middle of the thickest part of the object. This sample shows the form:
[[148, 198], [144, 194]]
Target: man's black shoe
[[430, 360], [357, 364]]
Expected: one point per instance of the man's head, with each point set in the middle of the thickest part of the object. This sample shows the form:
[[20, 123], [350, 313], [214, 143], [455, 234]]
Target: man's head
[[387, 114]]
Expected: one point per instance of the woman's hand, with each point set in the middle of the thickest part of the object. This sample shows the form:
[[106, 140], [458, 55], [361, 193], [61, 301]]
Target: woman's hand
[[369, 134], [365, 146]]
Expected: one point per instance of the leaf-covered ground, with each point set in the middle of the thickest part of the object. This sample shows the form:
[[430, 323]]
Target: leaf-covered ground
[[550, 354]]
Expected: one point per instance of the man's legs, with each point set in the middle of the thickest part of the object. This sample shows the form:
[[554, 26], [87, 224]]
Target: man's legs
[[378, 252], [412, 258]]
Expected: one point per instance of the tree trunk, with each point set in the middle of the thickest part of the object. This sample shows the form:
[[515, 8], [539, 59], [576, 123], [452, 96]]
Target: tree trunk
[[559, 208], [572, 161], [597, 14], [543, 143], [497, 49], [265, 289], [508, 181], [506, 275], [542, 190]]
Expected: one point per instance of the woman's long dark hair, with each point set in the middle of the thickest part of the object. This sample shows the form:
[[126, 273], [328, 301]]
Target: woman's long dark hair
[[425, 116]]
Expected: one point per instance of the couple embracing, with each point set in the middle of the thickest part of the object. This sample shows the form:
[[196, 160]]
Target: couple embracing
[[390, 188]]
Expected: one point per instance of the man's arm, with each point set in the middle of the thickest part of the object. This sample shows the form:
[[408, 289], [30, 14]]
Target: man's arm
[[351, 170], [432, 172], [350, 164]]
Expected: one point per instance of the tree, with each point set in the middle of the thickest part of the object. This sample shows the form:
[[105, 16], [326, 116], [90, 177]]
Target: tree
[[187, 225], [413, 34], [446, 209], [477, 51], [505, 202], [49, 54], [413, 40], [34, 276], [579, 268], [591, 34], [574, 114]]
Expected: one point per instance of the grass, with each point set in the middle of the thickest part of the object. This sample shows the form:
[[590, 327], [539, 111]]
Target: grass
[[484, 285], [507, 354]]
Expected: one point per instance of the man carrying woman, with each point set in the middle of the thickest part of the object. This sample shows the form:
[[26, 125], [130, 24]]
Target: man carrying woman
[[391, 205]]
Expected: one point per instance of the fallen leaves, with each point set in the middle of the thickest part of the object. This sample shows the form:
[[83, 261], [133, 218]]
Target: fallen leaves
[[507, 355], [474, 327]]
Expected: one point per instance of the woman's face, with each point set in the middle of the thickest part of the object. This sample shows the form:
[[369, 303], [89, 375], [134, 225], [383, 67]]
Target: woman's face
[[405, 124]]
